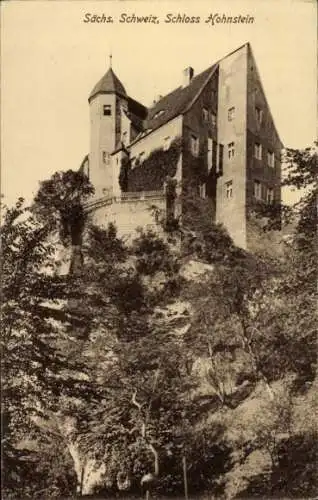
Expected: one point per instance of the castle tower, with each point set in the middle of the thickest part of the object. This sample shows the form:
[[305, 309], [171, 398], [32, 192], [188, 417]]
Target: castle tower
[[105, 101]]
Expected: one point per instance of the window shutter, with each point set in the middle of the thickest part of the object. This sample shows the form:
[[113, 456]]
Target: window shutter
[[221, 153]]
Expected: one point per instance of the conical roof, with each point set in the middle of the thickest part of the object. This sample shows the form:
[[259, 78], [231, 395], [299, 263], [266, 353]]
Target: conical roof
[[108, 84]]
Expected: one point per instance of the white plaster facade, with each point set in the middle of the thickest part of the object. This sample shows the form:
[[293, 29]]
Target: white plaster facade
[[130, 213], [233, 94], [102, 142]]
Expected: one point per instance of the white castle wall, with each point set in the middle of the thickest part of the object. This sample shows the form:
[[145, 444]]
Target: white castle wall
[[128, 212], [146, 145], [102, 140], [170, 131], [233, 93]]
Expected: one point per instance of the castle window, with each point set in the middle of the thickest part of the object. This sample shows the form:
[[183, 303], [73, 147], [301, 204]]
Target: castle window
[[213, 119], [106, 158], [194, 143], [231, 149], [202, 190], [229, 190], [220, 165], [258, 151], [205, 114], [257, 190], [124, 137], [270, 195], [107, 110], [270, 159], [259, 115], [166, 143], [231, 114]]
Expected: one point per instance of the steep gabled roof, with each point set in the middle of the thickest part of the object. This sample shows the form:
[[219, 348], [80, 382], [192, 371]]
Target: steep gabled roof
[[181, 99], [137, 108], [137, 113], [108, 84], [178, 101]]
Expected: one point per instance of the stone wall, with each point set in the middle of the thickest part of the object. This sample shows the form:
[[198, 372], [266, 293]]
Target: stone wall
[[129, 211]]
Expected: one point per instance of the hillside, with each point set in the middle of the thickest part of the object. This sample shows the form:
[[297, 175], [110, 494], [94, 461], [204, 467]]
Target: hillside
[[173, 367]]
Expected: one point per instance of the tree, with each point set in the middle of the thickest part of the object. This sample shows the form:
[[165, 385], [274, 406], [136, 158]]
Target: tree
[[36, 367], [263, 308], [76, 326], [60, 202], [298, 284], [127, 342], [96, 362]]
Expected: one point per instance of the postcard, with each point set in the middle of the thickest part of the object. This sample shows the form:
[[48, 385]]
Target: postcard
[[158, 170]]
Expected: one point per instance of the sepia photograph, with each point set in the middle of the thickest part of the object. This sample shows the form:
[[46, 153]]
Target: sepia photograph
[[159, 165]]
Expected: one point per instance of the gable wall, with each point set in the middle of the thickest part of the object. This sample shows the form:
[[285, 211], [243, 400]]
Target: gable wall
[[233, 93]]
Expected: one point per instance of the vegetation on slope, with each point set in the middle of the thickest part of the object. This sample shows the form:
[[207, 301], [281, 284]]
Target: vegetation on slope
[[135, 369]]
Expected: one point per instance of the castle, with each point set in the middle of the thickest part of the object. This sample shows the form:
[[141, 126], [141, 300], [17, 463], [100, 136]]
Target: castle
[[214, 132]]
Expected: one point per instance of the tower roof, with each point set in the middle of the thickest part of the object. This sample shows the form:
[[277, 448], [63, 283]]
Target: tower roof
[[110, 83]]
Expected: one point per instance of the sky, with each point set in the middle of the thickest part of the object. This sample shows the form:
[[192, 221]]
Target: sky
[[51, 59]]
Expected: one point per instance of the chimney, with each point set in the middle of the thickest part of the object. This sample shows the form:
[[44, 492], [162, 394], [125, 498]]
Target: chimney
[[187, 75]]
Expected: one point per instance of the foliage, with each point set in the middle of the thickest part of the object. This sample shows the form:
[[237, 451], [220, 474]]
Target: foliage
[[44, 469], [154, 255], [131, 346], [104, 351], [36, 367], [301, 167], [195, 170], [299, 176], [300, 264], [60, 200], [151, 173], [125, 167]]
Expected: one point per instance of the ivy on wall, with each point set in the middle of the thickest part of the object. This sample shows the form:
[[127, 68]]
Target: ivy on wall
[[123, 174], [196, 172], [195, 169], [150, 174]]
